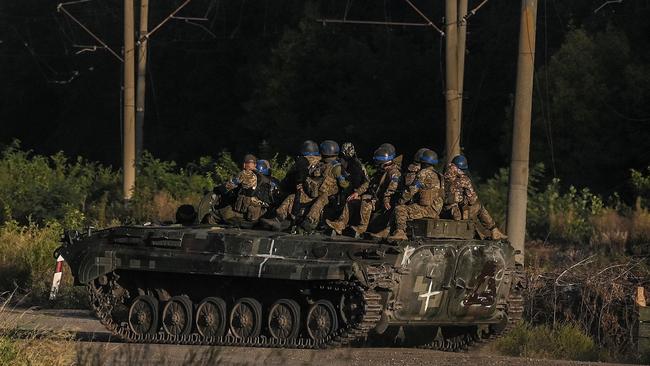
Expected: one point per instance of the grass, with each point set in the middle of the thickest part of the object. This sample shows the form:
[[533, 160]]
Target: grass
[[33, 347], [27, 264], [566, 342]]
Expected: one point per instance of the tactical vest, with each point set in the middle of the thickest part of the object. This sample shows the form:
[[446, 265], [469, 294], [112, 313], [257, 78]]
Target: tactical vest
[[264, 190], [433, 196], [329, 185], [244, 197], [314, 181]]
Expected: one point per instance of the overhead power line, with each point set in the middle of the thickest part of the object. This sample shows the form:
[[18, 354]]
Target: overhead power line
[[61, 8]]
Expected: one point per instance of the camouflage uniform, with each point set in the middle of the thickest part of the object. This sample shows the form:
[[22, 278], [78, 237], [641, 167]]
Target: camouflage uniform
[[409, 178], [331, 179], [381, 190], [461, 199], [304, 179], [351, 206], [427, 193], [245, 205]]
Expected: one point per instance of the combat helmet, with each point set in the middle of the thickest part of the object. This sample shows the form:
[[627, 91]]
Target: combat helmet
[[309, 148], [384, 154], [263, 167], [329, 148], [389, 147], [461, 162], [348, 150], [429, 157], [418, 155]]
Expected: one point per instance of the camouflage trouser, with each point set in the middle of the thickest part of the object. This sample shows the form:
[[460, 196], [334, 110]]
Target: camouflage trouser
[[316, 210], [228, 215], [479, 213], [404, 213], [351, 209], [284, 210], [365, 212], [474, 212]]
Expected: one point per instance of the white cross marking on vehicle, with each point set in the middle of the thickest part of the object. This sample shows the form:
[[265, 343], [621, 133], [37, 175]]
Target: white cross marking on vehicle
[[267, 257]]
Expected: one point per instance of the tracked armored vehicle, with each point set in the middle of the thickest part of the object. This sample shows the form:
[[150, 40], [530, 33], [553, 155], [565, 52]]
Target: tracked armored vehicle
[[209, 284]]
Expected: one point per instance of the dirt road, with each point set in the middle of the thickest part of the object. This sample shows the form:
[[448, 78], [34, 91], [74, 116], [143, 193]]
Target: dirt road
[[97, 348]]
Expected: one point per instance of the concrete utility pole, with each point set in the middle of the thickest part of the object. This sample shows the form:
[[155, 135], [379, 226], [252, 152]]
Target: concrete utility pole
[[452, 135], [462, 36], [128, 164], [517, 195], [141, 85]]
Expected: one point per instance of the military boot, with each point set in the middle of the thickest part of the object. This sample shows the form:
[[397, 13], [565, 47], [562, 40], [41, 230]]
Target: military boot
[[359, 229], [398, 235], [309, 226], [497, 234], [336, 225], [381, 234]]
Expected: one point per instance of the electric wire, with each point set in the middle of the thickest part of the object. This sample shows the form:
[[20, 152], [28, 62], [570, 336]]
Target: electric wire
[[546, 115]]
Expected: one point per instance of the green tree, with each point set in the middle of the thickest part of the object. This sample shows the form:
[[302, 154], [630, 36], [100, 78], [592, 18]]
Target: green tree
[[596, 87]]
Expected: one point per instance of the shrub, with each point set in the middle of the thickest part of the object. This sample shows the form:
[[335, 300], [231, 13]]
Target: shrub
[[39, 188], [611, 230], [26, 254], [641, 185], [567, 342], [280, 169]]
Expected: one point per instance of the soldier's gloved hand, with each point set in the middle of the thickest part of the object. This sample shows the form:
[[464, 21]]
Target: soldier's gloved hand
[[353, 196]]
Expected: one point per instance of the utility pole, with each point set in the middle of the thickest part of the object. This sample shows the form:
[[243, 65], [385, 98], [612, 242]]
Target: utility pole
[[517, 194], [462, 36], [452, 135], [128, 164], [142, 83]]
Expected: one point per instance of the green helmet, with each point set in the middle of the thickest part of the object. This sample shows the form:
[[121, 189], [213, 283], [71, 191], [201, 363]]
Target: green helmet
[[418, 155]]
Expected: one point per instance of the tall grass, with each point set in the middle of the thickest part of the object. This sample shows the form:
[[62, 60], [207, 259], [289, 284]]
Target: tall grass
[[33, 347], [566, 342], [572, 215]]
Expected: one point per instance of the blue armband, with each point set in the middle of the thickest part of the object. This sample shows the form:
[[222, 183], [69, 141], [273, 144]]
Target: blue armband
[[418, 184]]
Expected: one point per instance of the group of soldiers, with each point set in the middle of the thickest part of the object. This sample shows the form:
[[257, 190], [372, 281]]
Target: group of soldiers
[[329, 188]]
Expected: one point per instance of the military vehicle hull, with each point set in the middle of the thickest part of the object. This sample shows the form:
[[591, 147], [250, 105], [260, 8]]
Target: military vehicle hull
[[210, 284]]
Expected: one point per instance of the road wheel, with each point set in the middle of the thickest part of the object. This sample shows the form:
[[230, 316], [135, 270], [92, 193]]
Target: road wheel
[[177, 316], [143, 315], [211, 317], [246, 318], [284, 319], [321, 320]]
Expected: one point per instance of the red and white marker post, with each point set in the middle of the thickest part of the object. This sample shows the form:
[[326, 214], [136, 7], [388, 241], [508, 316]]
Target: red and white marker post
[[56, 280]]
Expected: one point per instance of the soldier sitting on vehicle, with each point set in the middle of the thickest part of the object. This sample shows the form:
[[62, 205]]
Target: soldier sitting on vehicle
[[296, 184], [427, 193], [358, 178], [462, 202], [332, 180], [356, 172], [244, 183], [266, 194], [379, 196], [412, 169]]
